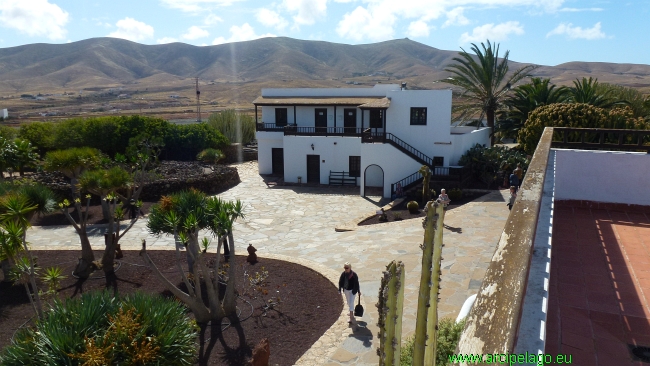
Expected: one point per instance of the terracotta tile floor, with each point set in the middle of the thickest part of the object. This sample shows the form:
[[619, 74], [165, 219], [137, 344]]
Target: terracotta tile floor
[[599, 289]]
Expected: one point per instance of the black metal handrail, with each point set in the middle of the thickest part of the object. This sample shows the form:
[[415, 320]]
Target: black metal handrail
[[321, 131], [600, 139], [269, 127], [438, 173], [406, 183]]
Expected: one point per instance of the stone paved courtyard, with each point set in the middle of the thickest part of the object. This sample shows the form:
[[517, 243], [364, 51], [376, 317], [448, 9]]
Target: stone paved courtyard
[[297, 223]]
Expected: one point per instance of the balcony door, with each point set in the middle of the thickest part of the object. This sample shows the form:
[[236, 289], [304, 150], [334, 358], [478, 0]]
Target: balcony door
[[350, 120], [320, 120], [277, 161]]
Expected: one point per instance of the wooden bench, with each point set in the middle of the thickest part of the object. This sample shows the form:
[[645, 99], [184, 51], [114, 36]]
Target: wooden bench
[[342, 178]]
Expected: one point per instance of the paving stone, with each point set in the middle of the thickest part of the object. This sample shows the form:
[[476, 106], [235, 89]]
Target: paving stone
[[298, 223]]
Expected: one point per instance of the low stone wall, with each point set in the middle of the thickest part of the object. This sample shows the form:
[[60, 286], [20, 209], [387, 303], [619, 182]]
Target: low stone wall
[[232, 153], [170, 177]]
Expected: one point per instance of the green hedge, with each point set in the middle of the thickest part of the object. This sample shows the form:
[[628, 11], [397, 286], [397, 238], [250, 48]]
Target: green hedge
[[111, 135]]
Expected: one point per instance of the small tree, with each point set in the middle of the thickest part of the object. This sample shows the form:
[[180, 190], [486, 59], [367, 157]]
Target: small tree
[[183, 215], [25, 156], [72, 162]]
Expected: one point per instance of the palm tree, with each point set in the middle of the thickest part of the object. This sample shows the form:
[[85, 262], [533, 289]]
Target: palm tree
[[588, 91], [25, 155], [484, 80], [525, 99]]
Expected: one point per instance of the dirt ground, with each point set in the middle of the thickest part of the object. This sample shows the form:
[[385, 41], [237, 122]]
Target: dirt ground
[[308, 304]]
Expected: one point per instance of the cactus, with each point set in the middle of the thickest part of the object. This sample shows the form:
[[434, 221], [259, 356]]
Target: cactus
[[424, 352], [426, 192], [390, 305]]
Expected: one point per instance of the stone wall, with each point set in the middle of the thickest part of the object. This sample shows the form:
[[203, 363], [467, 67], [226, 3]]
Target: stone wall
[[168, 177], [232, 153]]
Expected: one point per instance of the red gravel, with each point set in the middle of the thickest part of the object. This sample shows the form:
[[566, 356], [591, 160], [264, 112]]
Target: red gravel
[[309, 303]]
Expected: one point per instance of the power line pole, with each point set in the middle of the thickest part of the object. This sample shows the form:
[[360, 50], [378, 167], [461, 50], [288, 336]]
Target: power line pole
[[198, 101]]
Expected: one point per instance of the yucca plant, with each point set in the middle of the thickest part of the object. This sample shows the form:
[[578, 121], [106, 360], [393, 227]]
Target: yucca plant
[[72, 163], [98, 329], [53, 277], [183, 215]]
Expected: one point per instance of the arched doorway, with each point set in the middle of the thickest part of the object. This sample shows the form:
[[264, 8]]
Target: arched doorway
[[373, 177]]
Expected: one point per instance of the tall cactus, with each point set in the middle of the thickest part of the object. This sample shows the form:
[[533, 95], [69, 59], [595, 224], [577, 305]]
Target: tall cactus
[[390, 305], [426, 327], [426, 191]]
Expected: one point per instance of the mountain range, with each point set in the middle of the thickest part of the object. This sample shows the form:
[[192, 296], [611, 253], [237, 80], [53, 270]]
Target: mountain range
[[98, 63]]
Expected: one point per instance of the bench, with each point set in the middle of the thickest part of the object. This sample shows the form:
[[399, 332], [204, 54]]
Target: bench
[[342, 178]]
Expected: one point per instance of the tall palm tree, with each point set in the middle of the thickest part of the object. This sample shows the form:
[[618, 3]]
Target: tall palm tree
[[484, 80]]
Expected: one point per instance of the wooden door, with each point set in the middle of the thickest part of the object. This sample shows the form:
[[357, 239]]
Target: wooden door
[[313, 168], [320, 120], [277, 161], [350, 120]]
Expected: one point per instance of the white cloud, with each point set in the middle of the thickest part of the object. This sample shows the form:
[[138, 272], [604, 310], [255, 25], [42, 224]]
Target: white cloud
[[574, 10], [212, 19], [270, 18], [133, 30], [164, 40], [239, 34], [352, 24], [496, 33], [361, 24], [196, 6], [34, 18], [307, 11], [195, 32], [103, 24], [418, 29], [577, 32], [455, 16]]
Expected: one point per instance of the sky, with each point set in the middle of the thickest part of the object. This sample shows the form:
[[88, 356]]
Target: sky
[[545, 32]]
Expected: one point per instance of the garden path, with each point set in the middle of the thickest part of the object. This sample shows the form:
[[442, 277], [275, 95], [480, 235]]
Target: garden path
[[297, 224]]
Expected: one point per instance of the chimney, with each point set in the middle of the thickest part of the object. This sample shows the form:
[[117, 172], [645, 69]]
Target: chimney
[[403, 86]]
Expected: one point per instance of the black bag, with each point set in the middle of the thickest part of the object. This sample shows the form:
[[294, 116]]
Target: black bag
[[358, 310]]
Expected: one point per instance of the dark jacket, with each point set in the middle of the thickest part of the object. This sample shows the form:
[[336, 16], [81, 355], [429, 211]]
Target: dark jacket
[[514, 180], [353, 283]]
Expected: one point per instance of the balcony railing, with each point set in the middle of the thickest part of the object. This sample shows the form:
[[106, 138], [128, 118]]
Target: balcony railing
[[601, 139], [271, 127], [322, 131]]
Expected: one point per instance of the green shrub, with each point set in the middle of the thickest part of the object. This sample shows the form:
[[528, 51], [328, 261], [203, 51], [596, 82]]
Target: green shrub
[[210, 156], [237, 127], [113, 135], [577, 115], [455, 194], [98, 329], [184, 142], [486, 162], [413, 207], [448, 336]]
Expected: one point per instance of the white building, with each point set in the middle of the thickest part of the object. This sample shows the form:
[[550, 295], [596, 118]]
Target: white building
[[377, 137], [4, 113]]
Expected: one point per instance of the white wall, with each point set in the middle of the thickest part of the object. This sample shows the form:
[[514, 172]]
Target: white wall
[[265, 142], [296, 149], [378, 90], [4, 113], [396, 165], [603, 176], [462, 143], [437, 129], [373, 176]]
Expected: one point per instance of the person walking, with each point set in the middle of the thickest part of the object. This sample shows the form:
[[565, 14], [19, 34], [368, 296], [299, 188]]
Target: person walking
[[514, 180], [520, 174], [349, 283], [513, 197]]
